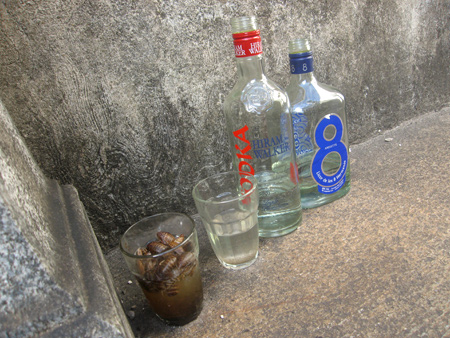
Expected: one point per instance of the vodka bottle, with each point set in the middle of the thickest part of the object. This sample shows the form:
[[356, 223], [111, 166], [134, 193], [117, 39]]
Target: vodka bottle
[[320, 131], [259, 125]]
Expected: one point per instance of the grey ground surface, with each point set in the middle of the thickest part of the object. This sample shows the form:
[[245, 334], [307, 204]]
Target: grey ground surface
[[375, 263]]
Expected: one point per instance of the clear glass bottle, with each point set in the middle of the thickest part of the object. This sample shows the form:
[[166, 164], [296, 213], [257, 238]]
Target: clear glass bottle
[[320, 131], [259, 125]]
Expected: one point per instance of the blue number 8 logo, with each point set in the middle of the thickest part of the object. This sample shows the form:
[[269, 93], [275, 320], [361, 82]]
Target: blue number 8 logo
[[326, 147]]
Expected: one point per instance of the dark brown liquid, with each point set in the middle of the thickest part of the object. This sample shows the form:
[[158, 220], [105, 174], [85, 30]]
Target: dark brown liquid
[[178, 301]]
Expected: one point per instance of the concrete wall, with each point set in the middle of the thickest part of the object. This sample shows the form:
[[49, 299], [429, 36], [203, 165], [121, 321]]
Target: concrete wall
[[54, 281], [122, 99]]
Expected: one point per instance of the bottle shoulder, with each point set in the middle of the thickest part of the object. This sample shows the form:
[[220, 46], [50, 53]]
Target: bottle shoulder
[[313, 92], [265, 83], [254, 90], [332, 91]]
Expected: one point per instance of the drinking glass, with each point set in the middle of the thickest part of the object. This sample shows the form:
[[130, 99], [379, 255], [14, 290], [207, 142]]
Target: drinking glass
[[161, 251], [228, 206]]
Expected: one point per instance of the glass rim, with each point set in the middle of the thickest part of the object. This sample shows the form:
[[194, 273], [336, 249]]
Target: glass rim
[[245, 23], [299, 46], [164, 252], [240, 197]]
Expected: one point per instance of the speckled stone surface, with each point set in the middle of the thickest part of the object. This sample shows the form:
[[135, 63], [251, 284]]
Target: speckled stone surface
[[375, 263], [54, 281]]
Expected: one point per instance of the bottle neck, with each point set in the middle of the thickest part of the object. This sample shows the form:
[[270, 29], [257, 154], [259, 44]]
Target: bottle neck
[[248, 52], [300, 78], [251, 67], [302, 68]]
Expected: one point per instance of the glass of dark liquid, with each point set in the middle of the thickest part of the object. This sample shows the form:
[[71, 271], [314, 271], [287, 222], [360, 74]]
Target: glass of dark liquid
[[162, 251]]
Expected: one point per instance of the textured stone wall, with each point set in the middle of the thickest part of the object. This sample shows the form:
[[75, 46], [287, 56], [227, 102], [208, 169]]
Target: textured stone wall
[[54, 281], [123, 99]]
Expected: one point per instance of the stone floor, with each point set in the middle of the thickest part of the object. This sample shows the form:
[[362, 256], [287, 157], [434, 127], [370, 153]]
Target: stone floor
[[375, 263]]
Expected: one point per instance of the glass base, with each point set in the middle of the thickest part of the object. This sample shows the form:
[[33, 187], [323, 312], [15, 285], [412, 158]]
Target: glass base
[[239, 266], [273, 225], [314, 199], [181, 320], [279, 232]]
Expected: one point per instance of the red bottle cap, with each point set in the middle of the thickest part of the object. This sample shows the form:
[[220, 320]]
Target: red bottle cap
[[247, 44]]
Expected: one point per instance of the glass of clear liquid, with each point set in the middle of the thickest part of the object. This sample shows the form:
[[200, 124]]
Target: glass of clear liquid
[[228, 206]]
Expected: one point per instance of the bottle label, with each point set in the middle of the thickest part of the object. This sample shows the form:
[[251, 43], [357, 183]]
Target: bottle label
[[301, 63], [329, 184], [269, 147], [261, 149], [302, 141], [247, 44], [244, 156]]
